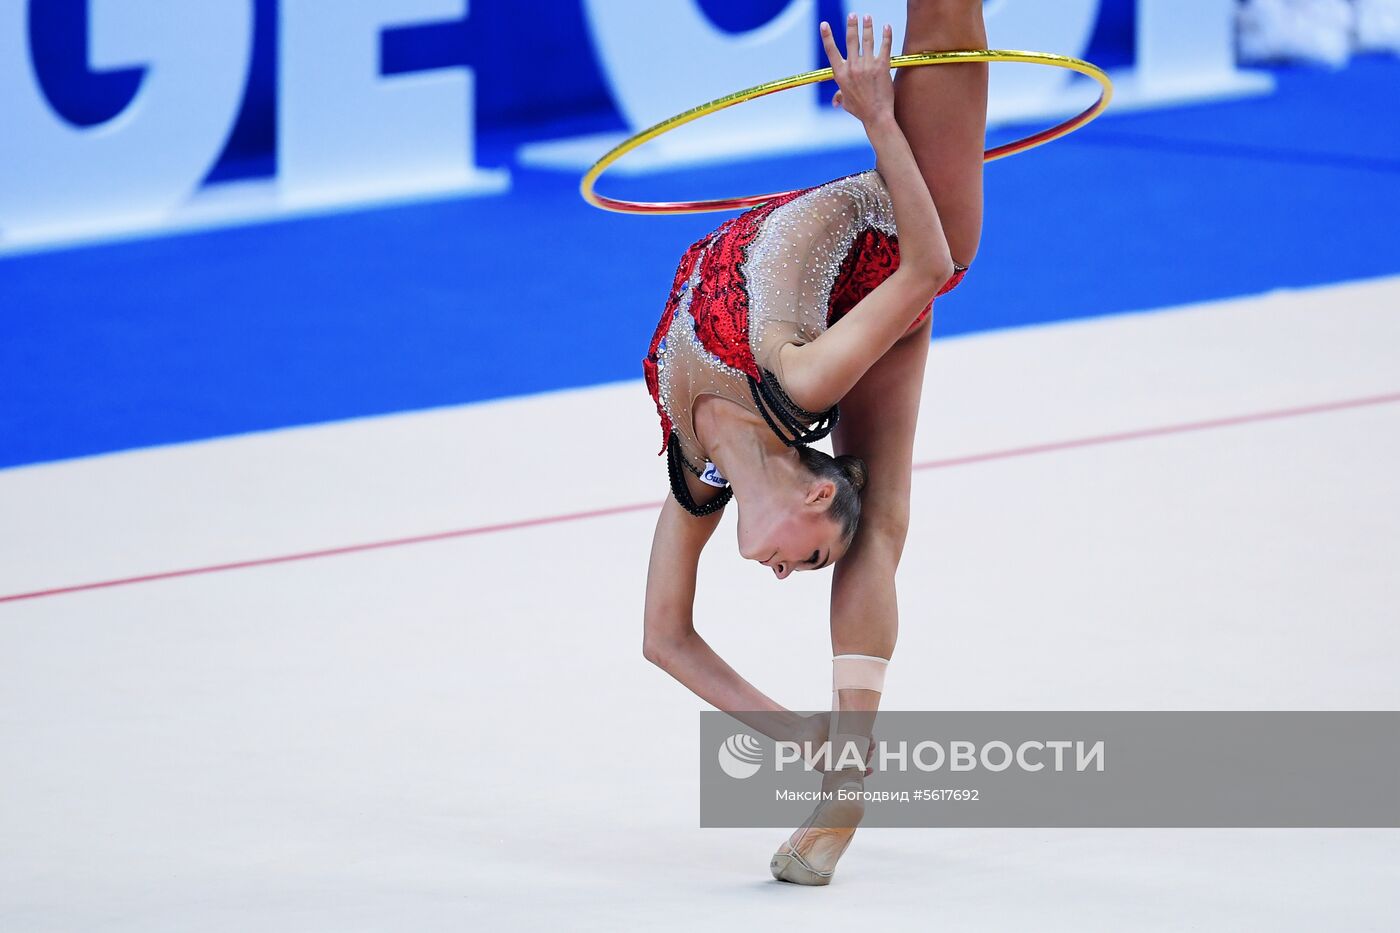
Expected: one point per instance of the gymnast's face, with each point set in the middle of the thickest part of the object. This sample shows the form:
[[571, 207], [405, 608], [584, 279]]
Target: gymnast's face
[[791, 531]]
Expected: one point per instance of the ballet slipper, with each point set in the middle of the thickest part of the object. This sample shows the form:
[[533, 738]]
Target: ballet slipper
[[810, 854]]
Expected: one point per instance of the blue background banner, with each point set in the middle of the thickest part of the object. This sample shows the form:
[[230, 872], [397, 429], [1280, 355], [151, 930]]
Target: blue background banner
[[459, 300], [530, 81]]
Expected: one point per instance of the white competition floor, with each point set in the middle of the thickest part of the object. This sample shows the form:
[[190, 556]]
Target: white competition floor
[[1191, 509]]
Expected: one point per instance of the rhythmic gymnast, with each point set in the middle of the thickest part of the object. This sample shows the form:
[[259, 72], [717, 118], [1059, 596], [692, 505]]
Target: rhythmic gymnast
[[804, 316]]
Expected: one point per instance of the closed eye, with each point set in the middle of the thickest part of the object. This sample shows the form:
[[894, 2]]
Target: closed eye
[[815, 556]]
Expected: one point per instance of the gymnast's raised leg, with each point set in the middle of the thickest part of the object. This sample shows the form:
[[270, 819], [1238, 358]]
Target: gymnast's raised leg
[[943, 113]]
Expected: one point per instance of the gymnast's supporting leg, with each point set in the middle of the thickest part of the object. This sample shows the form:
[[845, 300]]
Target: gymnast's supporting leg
[[943, 113], [881, 413]]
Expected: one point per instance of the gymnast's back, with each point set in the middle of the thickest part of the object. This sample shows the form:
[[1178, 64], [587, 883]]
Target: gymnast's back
[[779, 273]]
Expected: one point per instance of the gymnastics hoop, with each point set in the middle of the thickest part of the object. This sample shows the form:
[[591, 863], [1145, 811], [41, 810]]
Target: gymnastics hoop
[[916, 60]]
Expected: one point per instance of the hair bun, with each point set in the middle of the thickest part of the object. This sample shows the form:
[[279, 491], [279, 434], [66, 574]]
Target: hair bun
[[853, 468]]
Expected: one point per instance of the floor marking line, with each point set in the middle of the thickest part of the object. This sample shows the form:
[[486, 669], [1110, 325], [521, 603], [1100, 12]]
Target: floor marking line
[[944, 463], [1162, 431]]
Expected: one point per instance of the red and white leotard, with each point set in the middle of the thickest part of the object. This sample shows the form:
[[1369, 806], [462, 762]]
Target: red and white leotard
[[779, 273]]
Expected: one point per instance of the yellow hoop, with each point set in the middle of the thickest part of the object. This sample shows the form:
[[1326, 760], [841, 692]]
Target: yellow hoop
[[918, 59]]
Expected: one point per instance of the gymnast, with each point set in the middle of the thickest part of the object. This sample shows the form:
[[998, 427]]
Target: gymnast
[[810, 315]]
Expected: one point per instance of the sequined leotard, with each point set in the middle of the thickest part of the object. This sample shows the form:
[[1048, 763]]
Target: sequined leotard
[[779, 273]]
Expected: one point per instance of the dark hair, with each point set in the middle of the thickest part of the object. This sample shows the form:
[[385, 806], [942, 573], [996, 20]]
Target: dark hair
[[848, 473]]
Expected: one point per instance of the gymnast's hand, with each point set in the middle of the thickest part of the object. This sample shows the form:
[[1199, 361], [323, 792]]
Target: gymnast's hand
[[867, 91]]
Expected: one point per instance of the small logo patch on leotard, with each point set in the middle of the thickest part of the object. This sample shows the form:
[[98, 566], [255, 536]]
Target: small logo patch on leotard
[[712, 475]]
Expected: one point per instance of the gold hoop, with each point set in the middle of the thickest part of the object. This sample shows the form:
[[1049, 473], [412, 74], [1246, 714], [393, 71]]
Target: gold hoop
[[916, 60]]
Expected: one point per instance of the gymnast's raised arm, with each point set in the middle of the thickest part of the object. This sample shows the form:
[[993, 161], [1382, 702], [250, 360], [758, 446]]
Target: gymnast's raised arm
[[672, 644], [819, 374]]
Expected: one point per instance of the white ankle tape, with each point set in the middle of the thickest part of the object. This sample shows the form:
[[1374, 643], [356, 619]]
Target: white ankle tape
[[850, 726], [858, 672]]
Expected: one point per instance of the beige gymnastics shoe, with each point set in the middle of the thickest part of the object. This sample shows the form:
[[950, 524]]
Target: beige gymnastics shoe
[[810, 854]]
